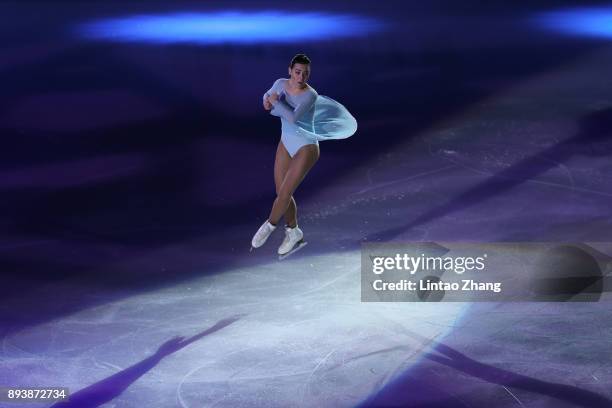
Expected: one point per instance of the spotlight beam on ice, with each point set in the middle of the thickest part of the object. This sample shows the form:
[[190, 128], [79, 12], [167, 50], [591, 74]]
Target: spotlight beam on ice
[[230, 27], [592, 22]]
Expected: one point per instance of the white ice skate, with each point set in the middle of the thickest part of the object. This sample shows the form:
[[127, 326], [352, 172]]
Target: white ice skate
[[294, 241], [262, 234]]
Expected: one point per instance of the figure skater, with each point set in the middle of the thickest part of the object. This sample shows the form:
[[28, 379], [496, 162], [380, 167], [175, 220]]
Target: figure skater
[[306, 118]]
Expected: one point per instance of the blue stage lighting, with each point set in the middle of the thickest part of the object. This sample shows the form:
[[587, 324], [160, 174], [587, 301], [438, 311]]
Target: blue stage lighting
[[230, 27], [593, 22]]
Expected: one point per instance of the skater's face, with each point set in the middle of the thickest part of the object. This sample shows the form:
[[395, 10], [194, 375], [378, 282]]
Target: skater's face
[[299, 74]]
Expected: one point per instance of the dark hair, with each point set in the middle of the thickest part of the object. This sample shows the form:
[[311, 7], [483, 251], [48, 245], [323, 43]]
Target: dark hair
[[300, 59]]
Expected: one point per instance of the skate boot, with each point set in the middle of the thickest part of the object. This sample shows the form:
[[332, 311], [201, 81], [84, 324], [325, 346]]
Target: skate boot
[[262, 234], [293, 236]]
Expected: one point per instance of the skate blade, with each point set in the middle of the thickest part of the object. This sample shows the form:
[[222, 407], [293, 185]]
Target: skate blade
[[296, 248]]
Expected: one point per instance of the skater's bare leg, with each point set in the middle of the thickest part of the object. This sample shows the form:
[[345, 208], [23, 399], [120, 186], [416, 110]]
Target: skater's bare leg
[[281, 165], [299, 166]]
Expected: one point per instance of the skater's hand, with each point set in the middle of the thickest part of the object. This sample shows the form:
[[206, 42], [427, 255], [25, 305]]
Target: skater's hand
[[273, 98], [266, 103]]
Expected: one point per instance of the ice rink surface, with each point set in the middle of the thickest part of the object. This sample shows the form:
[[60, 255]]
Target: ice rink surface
[[126, 243]]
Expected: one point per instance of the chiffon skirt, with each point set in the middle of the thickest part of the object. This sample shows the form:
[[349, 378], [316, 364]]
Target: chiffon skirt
[[331, 120]]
